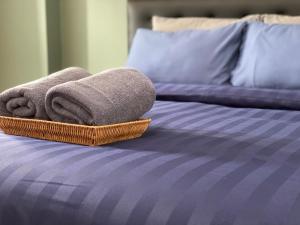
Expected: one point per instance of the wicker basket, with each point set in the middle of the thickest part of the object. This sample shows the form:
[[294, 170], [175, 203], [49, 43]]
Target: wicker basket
[[73, 133]]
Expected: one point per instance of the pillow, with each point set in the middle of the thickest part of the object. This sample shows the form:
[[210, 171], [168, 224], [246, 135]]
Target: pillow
[[280, 19], [191, 56], [176, 24], [269, 57]]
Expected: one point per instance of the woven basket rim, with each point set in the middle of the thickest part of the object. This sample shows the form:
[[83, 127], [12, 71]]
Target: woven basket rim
[[141, 120]]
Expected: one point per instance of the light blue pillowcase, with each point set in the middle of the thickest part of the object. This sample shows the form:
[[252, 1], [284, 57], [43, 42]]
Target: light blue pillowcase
[[270, 57], [190, 56]]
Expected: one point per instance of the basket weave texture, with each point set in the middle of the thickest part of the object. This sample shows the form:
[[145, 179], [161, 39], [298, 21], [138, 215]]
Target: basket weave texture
[[73, 133]]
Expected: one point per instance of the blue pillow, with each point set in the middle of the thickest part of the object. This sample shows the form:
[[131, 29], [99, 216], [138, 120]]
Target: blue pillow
[[270, 57], [190, 56]]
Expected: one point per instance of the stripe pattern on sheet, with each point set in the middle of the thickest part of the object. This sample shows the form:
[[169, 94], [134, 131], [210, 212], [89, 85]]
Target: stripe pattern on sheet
[[198, 164]]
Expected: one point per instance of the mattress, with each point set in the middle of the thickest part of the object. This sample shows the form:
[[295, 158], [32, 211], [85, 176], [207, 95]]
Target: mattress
[[203, 161]]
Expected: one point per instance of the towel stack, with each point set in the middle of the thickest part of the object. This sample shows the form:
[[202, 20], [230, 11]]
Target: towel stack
[[73, 96]]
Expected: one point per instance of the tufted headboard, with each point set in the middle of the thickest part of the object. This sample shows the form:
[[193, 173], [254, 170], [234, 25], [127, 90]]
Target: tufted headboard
[[140, 11]]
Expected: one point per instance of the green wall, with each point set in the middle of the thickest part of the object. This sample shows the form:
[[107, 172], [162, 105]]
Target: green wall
[[107, 34], [54, 44], [93, 33], [23, 53], [41, 36], [74, 36]]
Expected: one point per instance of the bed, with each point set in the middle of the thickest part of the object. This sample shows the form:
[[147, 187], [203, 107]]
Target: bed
[[212, 155]]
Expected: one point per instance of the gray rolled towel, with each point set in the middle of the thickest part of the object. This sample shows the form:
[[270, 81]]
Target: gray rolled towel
[[28, 100], [112, 96]]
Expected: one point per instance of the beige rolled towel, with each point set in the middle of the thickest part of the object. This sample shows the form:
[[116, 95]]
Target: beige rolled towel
[[113, 96], [28, 100]]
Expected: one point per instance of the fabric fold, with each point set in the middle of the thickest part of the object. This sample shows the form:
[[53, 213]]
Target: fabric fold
[[112, 96], [28, 100], [228, 95]]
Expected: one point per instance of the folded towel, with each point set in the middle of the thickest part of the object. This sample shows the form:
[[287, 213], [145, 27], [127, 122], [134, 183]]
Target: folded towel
[[28, 100], [112, 96]]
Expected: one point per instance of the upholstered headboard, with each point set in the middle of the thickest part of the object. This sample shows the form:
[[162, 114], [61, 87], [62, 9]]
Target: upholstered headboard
[[140, 12]]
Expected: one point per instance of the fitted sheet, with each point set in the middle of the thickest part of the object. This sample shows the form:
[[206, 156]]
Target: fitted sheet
[[198, 164]]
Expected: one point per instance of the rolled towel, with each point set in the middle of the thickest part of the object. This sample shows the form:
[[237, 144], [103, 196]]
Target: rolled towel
[[28, 100], [112, 96]]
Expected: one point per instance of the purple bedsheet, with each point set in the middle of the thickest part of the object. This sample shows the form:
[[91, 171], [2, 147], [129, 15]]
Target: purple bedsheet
[[198, 164]]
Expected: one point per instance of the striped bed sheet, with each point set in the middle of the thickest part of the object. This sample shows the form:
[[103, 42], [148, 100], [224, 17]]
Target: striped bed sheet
[[198, 164]]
